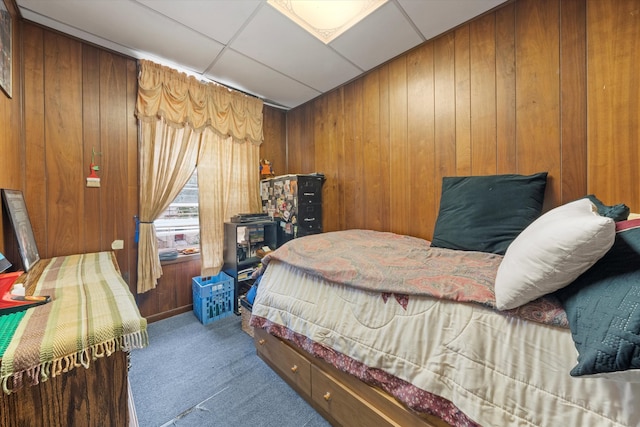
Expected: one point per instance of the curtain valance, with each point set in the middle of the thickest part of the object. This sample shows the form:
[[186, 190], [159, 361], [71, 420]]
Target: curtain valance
[[183, 100]]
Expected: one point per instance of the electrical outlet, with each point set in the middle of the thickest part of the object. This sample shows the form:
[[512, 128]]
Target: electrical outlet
[[117, 244]]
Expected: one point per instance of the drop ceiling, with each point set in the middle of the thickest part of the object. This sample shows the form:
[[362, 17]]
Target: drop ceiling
[[247, 44]]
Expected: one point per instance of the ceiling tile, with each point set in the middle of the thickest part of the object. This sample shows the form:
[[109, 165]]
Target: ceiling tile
[[159, 36], [279, 43], [434, 17], [236, 70], [383, 35], [220, 19]]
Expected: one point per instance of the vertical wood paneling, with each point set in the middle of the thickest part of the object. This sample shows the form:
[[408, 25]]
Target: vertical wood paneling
[[505, 90], [400, 193], [613, 42], [130, 269], [308, 160], [64, 149], [482, 65], [166, 295], [173, 294], [352, 201], [274, 146], [148, 303], [113, 142], [445, 108], [78, 97], [328, 157], [573, 80], [294, 148], [509, 96], [463, 102], [12, 171], [301, 147], [421, 138], [339, 165], [538, 92], [384, 126], [35, 191], [11, 167], [295, 122], [91, 141]]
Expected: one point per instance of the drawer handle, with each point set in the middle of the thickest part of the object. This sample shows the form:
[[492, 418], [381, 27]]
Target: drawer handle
[[262, 341], [294, 368], [327, 396]]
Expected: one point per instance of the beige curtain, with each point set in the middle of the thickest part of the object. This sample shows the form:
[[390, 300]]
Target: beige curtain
[[184, 123], [227, 174], [168, 156]]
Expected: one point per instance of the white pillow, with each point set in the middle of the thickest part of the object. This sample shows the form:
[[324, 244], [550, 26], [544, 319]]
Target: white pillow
[[552, 252]]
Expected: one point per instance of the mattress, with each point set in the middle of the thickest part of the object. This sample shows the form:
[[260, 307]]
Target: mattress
[[498, 370]]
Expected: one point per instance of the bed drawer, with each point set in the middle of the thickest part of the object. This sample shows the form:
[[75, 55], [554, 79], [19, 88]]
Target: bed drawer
[[293, 367], [342, 405]]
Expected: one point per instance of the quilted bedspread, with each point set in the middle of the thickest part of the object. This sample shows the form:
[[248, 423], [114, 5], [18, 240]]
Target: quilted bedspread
[[402, 265], [490, 369]]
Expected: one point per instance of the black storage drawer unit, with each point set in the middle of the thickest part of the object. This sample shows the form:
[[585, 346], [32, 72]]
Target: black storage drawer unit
[[310, 218], [309, 190], [295, 203]]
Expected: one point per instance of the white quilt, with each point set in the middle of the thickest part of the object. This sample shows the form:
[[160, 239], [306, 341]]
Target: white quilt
[[499, 371]]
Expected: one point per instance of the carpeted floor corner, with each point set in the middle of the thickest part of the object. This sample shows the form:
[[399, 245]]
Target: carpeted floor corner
[[209, 375]]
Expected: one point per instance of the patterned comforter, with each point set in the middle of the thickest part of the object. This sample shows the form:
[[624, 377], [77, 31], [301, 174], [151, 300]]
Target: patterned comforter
[[402, 265]]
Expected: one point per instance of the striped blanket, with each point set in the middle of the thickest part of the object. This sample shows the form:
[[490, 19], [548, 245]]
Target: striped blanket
[[92, 314]]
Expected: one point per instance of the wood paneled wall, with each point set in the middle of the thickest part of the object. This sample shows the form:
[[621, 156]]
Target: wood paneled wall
[[507, 92], [11, 160], [77, 99], [274, 130], [613, 91]]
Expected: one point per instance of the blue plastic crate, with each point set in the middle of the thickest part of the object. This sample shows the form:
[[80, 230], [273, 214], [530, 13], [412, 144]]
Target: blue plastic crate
[[212, 297]]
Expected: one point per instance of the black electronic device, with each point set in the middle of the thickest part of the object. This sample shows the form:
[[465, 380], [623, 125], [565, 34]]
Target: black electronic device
[[249, 217]]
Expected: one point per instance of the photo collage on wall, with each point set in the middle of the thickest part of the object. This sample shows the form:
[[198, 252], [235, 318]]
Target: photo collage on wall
[[279, 201]]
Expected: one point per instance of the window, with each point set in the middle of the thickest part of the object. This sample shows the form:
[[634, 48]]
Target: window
[[178, 226]]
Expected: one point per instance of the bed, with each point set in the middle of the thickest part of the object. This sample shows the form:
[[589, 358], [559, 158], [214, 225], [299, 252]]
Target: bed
[[533, 322]]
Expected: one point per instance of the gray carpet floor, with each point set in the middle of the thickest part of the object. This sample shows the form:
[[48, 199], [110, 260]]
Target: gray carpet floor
[[209, 375]]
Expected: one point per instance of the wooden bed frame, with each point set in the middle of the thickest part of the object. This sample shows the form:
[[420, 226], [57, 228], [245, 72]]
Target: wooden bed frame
[[339, 397]]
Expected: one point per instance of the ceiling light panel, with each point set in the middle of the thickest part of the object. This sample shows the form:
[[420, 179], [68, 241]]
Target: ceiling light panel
[[326, 20]]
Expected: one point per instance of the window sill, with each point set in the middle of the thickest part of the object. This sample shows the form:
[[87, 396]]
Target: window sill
[[182, 258]]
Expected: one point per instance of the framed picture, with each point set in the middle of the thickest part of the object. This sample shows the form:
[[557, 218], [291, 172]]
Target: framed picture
[[15, 207], [5, 49]]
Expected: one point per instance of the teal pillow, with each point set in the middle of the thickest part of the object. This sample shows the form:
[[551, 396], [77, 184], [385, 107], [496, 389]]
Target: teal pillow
[[602, 307], [619, 212], [486, 213]]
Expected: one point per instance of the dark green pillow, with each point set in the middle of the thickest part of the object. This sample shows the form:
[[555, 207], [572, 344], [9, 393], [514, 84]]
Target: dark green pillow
[[619, 212], [602, 307], [486, 213]]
